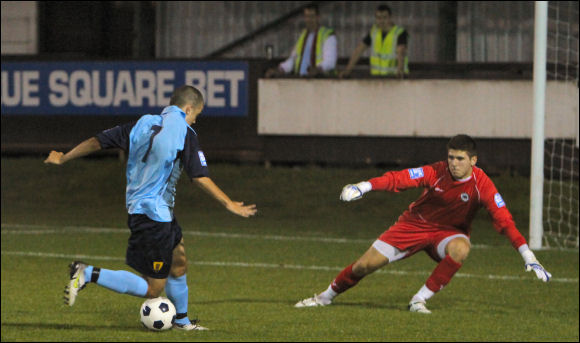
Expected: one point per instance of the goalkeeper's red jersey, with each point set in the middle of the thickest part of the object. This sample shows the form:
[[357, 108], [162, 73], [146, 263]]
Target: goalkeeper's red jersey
[[448, 203]]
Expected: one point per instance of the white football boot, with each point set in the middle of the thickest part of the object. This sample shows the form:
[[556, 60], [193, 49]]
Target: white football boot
[[77, 282], [313, 302], [419, 307], [188, 327]]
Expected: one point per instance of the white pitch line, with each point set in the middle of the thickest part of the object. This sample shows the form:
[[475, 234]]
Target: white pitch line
[[24, 229], [48, 229], [279, 266]]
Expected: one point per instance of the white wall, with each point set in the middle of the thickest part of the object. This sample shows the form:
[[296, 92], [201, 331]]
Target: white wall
[[426, 108], [19, 27]]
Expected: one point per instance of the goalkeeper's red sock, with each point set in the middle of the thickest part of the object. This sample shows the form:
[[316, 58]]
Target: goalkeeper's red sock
[[345, 280], [442, 274]]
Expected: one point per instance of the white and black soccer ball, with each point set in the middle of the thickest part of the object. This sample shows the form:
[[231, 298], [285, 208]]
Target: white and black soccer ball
[[158, 314]]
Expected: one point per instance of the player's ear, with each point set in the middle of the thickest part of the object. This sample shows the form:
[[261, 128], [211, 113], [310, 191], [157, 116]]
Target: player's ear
[[473, 160]]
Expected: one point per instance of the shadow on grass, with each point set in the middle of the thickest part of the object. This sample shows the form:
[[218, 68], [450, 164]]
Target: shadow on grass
[[58, 326], [367, 305]]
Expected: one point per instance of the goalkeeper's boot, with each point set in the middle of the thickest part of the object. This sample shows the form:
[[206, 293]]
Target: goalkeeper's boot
[[193, 325], [313, 302], [418, 306], [77, 282]]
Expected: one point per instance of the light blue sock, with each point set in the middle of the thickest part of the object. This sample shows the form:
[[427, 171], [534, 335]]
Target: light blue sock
[[178, 292], [120, 281], [88, 273]]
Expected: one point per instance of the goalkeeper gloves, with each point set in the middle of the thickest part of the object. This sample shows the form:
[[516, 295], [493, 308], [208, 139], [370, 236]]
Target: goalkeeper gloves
[[354, 192], [533, 264]]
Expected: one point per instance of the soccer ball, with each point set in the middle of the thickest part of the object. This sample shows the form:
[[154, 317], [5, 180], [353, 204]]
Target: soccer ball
[[158, 314]]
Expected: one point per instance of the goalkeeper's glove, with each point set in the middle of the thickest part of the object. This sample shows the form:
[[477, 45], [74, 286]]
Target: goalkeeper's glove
[[533, 264], [354, 192]]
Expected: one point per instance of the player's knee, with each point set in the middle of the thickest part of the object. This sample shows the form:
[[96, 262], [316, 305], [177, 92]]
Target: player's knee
[[178, 270], [459, 249], [360, 269], [153, 292], [363, 267]]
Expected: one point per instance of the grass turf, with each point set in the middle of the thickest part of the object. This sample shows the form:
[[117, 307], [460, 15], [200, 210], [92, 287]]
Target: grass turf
[[243, 286]]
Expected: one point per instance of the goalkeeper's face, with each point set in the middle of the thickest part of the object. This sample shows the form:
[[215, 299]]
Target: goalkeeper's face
[[460, 164]]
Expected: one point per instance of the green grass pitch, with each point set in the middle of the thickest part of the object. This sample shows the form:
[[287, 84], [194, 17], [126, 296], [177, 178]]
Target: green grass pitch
[[245, 275]]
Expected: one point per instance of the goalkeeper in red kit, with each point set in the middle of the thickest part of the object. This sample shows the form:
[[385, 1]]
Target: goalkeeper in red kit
[[439, 223]]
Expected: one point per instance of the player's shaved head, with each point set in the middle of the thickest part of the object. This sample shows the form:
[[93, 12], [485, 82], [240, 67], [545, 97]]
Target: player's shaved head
[[186, 95], [464, 143]]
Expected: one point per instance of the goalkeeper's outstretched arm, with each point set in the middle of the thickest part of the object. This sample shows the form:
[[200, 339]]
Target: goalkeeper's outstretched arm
[[85, 148]]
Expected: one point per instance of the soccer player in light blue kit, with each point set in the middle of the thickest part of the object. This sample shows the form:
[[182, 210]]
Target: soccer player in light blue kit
[[159, 148]]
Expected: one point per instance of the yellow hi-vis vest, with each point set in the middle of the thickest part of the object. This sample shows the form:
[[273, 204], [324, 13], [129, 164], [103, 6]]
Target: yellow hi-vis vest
[[322, 35], [384, 52]]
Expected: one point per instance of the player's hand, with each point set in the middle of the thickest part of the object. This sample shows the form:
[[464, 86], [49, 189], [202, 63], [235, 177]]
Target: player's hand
[[350, 192], [541, 273], [240, 209], [55, 157]]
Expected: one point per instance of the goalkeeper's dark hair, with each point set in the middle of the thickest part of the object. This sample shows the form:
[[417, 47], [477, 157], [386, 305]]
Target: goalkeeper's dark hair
[[186, 95], [464, 143]]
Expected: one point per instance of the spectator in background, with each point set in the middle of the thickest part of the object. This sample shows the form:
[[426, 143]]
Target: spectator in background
[[388, 43], [315, 51]]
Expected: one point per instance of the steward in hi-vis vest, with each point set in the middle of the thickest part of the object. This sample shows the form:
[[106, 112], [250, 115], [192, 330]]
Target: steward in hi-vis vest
[[321, 37], [388, 43], [383, 58], [314, 54]]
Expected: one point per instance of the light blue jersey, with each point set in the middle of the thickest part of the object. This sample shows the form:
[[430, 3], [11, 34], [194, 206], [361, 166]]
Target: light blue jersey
[[159, 147]]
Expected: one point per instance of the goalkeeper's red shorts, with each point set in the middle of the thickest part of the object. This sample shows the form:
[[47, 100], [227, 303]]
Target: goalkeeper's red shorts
[[414, 236]]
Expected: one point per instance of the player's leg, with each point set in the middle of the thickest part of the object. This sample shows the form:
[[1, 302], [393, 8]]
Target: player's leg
[[177, 290], [452, 250], [377, 256], [149, 252], [120, 281]]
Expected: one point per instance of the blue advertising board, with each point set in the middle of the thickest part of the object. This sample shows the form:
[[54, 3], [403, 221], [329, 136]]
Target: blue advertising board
[[121, 88]]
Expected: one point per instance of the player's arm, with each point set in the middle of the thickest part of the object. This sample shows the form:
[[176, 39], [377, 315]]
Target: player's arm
[[85, 148], [195, 166], [235, 207], [504, 224], [117, 137], [392, 181]]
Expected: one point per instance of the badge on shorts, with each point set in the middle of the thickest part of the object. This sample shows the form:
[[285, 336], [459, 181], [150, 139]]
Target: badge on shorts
[[464, 197], [157, 266], [416, 173], [498, 200]]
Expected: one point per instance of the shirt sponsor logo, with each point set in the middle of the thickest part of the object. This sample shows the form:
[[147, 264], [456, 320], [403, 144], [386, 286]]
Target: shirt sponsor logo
[[464, 197], [498, 200], [416, 173], [202, 159]]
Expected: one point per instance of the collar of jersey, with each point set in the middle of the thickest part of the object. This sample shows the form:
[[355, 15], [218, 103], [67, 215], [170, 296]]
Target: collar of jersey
[[174, 108], [464, 180]]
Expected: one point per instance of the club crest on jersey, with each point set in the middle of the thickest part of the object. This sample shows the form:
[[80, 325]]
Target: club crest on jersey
[[416, 173], [464, 197], [157, 266], [498, 200], [202, 159]]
